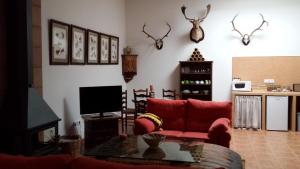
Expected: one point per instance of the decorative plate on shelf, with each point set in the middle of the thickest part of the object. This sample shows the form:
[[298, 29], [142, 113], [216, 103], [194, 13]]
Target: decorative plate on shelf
[[195, 92], [186, 91]]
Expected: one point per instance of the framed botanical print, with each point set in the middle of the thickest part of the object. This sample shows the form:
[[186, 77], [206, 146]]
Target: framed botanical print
[[114, 50], [104, 49], [58, 42], [78, 38], [92, 47]]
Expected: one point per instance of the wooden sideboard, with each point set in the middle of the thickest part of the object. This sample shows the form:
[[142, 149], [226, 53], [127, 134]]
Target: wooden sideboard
[[294, 106], [98, 130]]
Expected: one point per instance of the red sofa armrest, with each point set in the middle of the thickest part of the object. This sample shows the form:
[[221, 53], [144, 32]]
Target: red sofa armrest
[[219, 132], [143, 126]]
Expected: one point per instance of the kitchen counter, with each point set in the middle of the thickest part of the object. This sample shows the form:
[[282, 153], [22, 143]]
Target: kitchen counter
[[263, 93]]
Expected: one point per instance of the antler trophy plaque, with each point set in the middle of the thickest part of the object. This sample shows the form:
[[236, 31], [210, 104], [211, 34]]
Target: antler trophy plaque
[[158, 42], [196, 33], [247, 37]]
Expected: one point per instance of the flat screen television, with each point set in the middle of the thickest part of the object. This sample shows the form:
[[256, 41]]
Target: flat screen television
[[100, 99]]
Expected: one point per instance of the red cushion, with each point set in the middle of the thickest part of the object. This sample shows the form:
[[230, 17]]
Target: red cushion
[[201, 114], [180, 134], [45, 162], [143, 126], [90, 163], [170, 133], [197, 135], [171, 111]]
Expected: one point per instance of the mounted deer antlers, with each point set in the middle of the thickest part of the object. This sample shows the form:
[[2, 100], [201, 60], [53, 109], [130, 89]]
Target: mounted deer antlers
[[196, 33], [158, 42], [246, 37]]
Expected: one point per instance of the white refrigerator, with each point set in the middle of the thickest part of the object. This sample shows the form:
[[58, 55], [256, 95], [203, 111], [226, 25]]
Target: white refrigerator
[[277, 113]]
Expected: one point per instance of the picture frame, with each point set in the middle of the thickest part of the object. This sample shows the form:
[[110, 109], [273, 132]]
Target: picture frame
[[114, 50], [92, 47], [78, 45], [59, 42], [104, 49]]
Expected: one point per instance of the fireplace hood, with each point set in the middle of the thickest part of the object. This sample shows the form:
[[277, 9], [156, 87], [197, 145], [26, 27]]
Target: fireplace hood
[[24, 113], [39, 112]]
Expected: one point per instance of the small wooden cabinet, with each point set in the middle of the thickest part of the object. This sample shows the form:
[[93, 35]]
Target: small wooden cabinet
[[129, 67], [98, 130], [196, 80]]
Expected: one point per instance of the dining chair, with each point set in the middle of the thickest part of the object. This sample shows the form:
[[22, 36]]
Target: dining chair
[[140, 101], [127, 114], [169, 94]]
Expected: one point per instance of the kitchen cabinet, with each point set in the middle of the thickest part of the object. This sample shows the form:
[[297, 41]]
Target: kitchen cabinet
[[294, 105], [196, 80]]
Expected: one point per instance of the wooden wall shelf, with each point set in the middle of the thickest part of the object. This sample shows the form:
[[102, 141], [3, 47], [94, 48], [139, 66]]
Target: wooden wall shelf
[[196, 78], [129, 66]]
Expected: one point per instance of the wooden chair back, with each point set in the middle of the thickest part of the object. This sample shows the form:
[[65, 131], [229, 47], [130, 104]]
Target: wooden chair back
[[169, 94], [126, 112], [140, 100], [124, 100]]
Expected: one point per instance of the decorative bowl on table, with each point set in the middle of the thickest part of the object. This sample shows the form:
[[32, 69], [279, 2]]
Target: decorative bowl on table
[[153, 139], [154, 153]]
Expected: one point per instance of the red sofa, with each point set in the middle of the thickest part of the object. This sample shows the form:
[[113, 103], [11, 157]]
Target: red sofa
[[67, 162], [203, 120]]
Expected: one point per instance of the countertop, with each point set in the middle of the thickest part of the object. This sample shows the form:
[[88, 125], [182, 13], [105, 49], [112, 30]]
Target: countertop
[[264, 92]]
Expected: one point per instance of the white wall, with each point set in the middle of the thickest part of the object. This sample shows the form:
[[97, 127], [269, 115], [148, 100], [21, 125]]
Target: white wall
[[61, 83], [125, 18], [160, 67]]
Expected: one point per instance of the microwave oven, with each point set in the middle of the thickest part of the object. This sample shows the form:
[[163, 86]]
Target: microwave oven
[[244, 86]]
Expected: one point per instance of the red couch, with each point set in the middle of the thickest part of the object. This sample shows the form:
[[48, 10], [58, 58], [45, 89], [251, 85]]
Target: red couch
[[203, 120], [67, 162]]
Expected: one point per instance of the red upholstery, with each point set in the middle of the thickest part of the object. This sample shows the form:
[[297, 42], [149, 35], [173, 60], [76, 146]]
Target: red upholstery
[[171, 111], [67, 162], [198, 135], [171, 133], [219, 126], [143, 125], [201, 114], [90, 163], [219, 132], [45, 162], [204, 120], [182, 134]]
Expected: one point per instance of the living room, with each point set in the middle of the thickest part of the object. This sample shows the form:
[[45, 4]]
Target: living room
[[160, 68], [62, 82]]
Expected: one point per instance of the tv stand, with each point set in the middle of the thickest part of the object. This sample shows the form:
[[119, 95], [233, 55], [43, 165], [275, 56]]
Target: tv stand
[[100, 129], [100, 115]]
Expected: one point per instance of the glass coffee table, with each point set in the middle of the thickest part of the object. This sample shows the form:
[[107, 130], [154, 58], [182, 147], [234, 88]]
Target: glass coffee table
[[187, 152]]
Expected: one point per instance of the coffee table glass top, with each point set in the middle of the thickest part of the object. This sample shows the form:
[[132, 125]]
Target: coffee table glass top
[[135, 147]]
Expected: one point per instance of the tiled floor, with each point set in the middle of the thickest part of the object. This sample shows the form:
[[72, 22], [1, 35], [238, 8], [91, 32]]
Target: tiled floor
[[267, 149]]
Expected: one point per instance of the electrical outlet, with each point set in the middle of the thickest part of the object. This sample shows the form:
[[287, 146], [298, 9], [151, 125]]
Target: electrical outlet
[[269, 81], [76, 128], [76, 123]]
